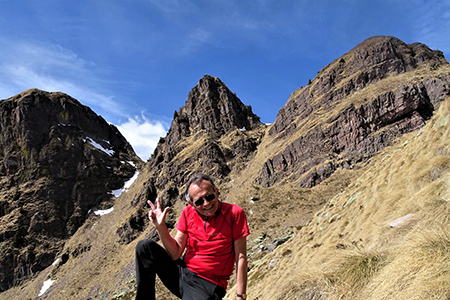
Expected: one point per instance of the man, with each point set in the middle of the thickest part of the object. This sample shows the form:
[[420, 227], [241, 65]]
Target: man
[[213, 234]]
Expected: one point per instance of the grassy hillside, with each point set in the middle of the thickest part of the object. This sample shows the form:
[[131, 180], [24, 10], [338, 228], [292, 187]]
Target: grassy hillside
[[351, 249]]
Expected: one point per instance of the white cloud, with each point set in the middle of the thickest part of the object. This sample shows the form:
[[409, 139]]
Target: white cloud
[[143, 134], [49, 67]]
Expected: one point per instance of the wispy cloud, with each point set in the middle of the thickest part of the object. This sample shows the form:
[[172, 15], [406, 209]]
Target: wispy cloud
[[143, 134], [432, 23], [49, 67], [194, 26], [172, 6], [25, 65], [193, 41]]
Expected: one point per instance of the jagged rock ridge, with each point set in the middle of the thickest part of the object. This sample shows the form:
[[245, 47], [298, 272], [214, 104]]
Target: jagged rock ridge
[[58, 160], [211, 111], [330, 136], [196, 142]]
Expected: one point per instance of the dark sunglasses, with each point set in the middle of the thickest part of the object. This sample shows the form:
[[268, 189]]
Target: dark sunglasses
[[208, 198]]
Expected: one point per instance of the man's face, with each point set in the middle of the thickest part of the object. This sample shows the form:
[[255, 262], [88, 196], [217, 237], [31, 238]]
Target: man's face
[[200, 191]]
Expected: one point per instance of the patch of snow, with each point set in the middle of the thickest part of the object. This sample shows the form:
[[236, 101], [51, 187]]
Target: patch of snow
[[131, 181], [132, 163], [126, 186], [55, 262], [103, 212], [117, 193], [242, 129], [45, 286], [273, 262], [100, 147]]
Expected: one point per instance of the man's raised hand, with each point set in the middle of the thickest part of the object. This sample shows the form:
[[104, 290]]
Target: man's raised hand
[[156, 215]]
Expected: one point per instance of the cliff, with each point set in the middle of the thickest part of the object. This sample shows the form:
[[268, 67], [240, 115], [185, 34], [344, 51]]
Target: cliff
[[58, 161], [355, 106]]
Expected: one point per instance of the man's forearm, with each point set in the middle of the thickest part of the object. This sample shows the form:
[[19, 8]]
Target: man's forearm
[[169, 243], [241, 280]]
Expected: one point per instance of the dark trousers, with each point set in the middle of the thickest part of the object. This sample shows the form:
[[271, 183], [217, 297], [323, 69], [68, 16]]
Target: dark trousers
[[152, 259]]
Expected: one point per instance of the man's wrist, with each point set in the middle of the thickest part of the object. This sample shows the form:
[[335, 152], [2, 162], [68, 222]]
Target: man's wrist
[[242, 296]]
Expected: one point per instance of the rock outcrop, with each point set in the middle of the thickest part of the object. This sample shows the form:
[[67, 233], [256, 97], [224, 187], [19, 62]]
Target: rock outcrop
[[330, 135], [211, 112], [214, 132], [58, 160]]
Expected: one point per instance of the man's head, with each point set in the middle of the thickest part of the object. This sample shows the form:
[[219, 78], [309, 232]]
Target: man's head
[[202, 194]]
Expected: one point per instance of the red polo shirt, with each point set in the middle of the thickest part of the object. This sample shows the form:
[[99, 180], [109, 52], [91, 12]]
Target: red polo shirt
[[210, 242]]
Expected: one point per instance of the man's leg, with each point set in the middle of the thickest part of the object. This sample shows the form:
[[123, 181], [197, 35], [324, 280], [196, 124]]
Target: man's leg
[[197, 288], [152, 259]]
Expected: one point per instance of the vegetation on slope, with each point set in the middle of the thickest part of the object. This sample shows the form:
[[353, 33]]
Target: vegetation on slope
[[352, 249]]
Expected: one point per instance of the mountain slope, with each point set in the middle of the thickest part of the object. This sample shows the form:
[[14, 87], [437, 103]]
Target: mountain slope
[[58, 161], [362, 145], [354, 107], [384, 236]]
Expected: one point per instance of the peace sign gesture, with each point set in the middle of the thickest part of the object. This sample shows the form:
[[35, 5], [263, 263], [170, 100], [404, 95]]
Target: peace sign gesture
[[156, 215]]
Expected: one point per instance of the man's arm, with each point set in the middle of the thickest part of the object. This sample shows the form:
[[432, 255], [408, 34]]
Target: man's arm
[[240, 251], [174, 246]]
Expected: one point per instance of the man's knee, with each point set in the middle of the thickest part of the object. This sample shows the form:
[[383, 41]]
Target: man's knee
[[144, 246]]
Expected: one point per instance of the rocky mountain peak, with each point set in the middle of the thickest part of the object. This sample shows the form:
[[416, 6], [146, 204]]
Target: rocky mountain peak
[[211, 107], [354, 107], [211, 115], [369, 62], [58, 160]]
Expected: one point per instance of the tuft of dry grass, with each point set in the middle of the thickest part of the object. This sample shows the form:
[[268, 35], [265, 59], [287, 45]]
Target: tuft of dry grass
[[356, 270], [419, 270]]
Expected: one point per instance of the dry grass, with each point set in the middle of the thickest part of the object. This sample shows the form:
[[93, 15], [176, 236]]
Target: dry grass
[[349, 251], [419, 270], [354, 272], [343, 246]]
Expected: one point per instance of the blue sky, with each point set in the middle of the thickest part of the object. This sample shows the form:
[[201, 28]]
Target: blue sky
[[134, 61]]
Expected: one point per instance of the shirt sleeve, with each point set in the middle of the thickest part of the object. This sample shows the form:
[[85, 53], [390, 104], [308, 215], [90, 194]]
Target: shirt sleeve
[[240, 228], [182, 223]]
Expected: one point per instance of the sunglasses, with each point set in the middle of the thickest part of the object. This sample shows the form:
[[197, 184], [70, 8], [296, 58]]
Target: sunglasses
[[208, 198]]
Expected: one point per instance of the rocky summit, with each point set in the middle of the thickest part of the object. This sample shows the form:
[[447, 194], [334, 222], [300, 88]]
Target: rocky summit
[[58, 162], [214, 132], [346, 193], [211, 112], [353, 108]]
